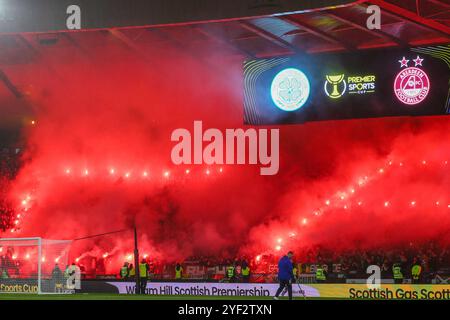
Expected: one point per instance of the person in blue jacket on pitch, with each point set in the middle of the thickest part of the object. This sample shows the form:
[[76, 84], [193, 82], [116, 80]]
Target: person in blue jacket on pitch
[[285, 275]]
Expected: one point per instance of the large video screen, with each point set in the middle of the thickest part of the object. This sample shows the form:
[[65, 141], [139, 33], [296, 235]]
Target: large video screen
[[367, 84]]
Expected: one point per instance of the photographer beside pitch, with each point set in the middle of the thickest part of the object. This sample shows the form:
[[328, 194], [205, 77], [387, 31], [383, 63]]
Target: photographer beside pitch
[[285, 275]]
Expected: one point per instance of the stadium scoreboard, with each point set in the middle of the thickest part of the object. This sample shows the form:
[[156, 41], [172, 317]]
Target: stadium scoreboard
[[338, 86]]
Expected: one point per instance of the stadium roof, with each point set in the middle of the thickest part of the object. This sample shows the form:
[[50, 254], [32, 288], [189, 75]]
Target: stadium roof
[[403, 23]]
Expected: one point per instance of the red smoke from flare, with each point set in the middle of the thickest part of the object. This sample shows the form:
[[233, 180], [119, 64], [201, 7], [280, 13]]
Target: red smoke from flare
[[118, 113]]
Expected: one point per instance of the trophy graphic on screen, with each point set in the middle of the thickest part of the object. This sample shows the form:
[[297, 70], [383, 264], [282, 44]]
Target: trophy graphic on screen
[[338, 86]]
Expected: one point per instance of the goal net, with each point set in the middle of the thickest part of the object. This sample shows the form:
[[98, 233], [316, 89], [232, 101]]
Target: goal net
[[34, 265]]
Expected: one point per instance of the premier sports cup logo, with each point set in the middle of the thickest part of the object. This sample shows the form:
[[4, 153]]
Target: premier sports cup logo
[[411, 85], [335, 86]]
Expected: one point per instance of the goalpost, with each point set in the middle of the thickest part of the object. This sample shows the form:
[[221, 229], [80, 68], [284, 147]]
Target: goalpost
[[35, 265]]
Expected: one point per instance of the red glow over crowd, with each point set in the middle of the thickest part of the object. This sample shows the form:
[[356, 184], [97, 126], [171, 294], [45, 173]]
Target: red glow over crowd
[[98, 160]]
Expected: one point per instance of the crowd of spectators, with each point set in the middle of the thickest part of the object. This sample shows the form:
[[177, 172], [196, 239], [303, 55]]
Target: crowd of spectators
[[9, 162], [9, 166], [431, 255], [345, 264], [213, 261]]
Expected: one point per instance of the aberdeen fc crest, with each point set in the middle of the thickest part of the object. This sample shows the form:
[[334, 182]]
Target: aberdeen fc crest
[[412, 85]]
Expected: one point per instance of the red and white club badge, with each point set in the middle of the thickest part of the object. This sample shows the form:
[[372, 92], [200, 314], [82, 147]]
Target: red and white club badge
[[411, 86]]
